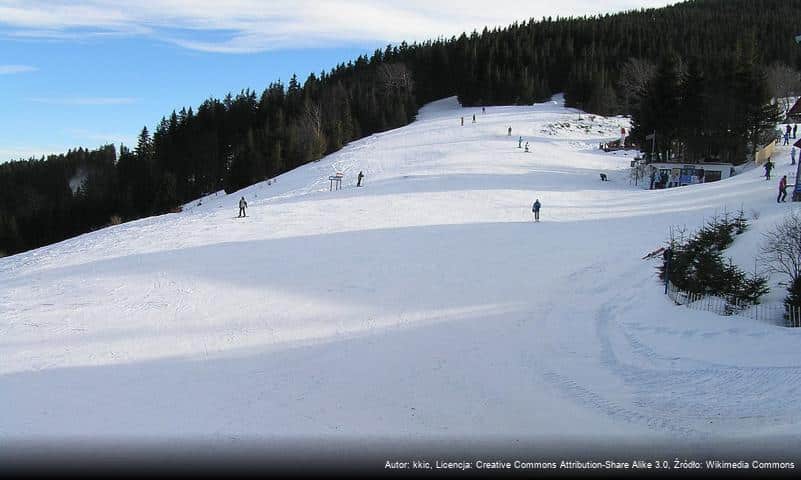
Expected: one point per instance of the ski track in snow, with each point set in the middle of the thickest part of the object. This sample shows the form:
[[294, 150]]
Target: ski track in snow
[[423, 305]]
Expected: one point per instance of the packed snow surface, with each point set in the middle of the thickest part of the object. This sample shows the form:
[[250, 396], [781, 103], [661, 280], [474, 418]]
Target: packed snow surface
[[425, 304]]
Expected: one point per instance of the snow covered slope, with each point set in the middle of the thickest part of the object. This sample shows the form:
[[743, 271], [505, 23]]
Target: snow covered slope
[[425, 304]]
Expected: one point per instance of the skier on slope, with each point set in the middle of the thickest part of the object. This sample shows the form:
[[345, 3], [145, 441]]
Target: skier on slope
[[510, 131], [536, 209], [768, 168], [520, 142], [242, 206], [782, 190], [359, 179]]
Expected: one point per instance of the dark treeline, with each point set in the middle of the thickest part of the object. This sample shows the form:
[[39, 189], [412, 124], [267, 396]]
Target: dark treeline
[[702, 110], [605, 65]]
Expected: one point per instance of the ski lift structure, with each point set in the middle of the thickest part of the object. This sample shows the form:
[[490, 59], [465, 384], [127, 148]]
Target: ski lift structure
[[335, 181]]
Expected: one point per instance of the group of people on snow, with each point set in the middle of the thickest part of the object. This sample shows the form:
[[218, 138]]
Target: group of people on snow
[[666, 180], [769, 166]]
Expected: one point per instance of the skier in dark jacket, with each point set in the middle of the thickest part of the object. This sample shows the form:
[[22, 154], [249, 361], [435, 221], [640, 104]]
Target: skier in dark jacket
[[242, 206], [359, 179], [536, 209], [768, 168]]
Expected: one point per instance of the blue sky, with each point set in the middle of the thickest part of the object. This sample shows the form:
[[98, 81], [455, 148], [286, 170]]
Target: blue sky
[[89, 72]]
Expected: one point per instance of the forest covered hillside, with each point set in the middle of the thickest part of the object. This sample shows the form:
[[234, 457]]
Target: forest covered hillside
[[647, 63]]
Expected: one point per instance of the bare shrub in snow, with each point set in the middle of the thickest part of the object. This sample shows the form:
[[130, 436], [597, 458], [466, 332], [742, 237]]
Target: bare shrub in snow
[[781, 250]]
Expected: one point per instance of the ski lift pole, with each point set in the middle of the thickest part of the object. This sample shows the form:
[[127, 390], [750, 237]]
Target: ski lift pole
[[652, 138], [797, 186]]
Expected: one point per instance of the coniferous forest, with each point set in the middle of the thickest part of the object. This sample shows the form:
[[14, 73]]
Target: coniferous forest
[[696, 73]]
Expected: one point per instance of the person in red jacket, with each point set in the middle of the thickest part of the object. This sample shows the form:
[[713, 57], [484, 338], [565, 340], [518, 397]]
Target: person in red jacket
[[782, 190]]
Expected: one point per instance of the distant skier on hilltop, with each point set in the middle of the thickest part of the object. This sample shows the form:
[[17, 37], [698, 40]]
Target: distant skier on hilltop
[[242, 206]]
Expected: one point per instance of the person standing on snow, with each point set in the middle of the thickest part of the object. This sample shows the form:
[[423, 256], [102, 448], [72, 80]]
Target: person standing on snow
[[520, 142], [674, 180], [768, 168], [463, 121], [782, 190], [786, 137], [510, 131], [359, 179], [474, 118], [526, 147], [536, 209], [242, 206]]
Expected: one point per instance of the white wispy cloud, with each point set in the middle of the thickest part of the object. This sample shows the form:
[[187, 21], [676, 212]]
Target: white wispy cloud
[[243, 26], [12, 69], [9, 153], [90, 137], [84, 100]]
